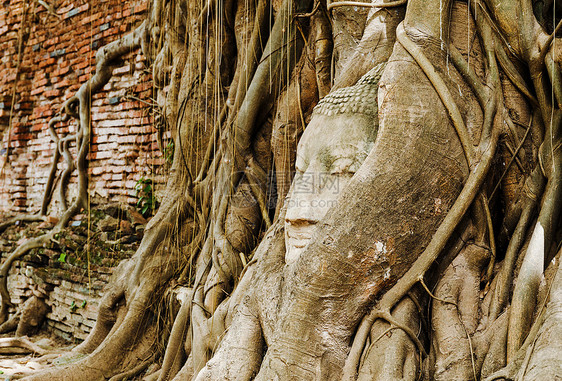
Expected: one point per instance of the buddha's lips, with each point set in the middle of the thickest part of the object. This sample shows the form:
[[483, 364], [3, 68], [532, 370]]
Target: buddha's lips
[[296, 238]]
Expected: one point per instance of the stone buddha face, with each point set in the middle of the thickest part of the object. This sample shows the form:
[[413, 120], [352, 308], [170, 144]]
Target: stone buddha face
[[337, 140]]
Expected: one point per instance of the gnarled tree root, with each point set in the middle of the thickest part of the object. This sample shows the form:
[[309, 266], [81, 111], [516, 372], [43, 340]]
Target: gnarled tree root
[[10, 345]]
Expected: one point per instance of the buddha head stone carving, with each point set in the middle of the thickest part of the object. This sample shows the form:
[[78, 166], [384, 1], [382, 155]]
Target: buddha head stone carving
[[335, 143]]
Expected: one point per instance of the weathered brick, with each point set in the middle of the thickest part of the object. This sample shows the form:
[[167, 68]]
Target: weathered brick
[[61, 71], [51, 93], [139, 8], [63, 10], [58, 59], [57, 53]]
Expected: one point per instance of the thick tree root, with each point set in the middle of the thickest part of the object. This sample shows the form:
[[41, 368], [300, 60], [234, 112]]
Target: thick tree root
[[543, 361], [174, 356], [22, 218], [343, 270], [133, 371], [12, 345], [33, 243], [391, 354], [433, 249], [11, 324], [538, 251], [455, 316]]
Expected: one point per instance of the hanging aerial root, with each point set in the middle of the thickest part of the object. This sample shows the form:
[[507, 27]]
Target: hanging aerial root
[[245, 72], [52, 173], [20, 49], [280, 55], [41, 216], [211, 146]]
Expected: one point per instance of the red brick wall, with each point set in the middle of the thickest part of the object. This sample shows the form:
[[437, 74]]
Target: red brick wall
[[58, 56]]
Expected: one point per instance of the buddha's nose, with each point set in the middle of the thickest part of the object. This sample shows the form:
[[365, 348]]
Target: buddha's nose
[[303, 208]]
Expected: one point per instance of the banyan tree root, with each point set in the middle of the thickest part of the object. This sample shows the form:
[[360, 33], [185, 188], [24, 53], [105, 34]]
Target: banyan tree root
[[438, 241], [23, 218], [391, 353], [308, 83], [280, 335], [138, 282], [33, 314], [543, 357], [455, 316], [375, 46], [11, 345], [61, 148], [219, 356], [423, 165]]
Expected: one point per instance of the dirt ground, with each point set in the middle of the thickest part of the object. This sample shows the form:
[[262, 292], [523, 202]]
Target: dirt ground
[[17, 365]]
